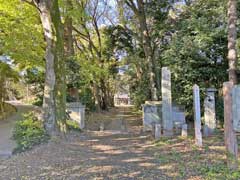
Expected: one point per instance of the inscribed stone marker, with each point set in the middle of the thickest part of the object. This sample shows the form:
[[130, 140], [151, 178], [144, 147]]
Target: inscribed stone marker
[[209, 112], [184, 130], [197, 115], [167, 102], [236, 108], [157, 131], [229, 133]]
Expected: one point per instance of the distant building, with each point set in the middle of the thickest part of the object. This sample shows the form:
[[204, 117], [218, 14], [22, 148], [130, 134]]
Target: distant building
[[122, 99]]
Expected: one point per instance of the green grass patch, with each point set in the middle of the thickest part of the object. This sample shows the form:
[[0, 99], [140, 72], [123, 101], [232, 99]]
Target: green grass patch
[[218, 171], [163, 141]]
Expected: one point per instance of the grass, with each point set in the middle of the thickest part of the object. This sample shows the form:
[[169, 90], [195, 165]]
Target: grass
[[187, 160]]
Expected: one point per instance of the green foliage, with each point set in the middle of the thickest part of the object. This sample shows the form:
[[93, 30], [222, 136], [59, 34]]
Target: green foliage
[[21, 35], [73, 125], [197, 51], [218, 171], [29, 132], [86, 97]]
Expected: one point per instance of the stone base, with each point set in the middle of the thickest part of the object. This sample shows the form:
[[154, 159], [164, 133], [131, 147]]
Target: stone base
[[168, 133], [151, 114], [207, 131]]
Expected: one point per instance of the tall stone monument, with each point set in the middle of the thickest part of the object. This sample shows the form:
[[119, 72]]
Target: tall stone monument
[[230, 136], [209, 112], [167, 118], [236, 107], [197, 115]]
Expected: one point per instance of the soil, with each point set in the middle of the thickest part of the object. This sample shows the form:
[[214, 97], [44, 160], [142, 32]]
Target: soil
[[121, 151]]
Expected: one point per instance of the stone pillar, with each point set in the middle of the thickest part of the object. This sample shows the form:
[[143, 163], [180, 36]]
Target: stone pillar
[[167, 102], [197, 115], [236, 108], [209, 112], [229, 133], [157, 131], [184, 130], [77, 113]]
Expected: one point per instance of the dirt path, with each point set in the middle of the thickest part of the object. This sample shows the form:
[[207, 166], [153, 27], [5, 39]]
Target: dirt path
[[119, 154], [6, 127]]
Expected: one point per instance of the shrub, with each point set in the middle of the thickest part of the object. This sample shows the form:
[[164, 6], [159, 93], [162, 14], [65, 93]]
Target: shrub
[[73, 125], [29, 132]]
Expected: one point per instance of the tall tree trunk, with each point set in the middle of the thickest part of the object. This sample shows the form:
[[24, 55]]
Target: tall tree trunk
[[139, 11], [68, 29], [232, 38], [96, 97], [60, 68], [68, 40], [104, 95], [49, 113], [230, 134], [54, 98]]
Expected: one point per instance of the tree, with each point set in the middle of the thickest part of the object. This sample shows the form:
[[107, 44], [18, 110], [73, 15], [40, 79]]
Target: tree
[[54, 100], [91, 49], [230, 134], [7, 73], [232, 38], [21, 34], [139, 11]]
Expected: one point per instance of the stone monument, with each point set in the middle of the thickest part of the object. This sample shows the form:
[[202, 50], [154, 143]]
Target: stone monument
[[197, 115], [209, 112], [167, 119], [236, 107]]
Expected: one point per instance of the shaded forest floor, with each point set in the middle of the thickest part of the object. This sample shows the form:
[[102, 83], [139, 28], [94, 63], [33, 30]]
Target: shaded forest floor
[[122, 151]]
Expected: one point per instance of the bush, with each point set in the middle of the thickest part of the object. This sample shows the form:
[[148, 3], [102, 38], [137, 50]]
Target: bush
[[29, 132], [73, 125]]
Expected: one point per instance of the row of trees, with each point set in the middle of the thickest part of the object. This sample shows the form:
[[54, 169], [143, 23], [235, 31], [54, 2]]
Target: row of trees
[[79, 53], [85, 41]]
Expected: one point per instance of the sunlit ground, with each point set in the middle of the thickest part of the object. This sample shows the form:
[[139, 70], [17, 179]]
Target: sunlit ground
[[133, 155]]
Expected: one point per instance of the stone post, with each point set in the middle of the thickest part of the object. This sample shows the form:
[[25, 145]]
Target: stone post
[[229, 133], [197, 115], [157, 131], [236, 107], [184, 130], [167, 102], [209, 112]]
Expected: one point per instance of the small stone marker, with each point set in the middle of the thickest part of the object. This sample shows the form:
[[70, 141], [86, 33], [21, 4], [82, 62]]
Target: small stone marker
[[167, 118], [197, 115], [209, 112], [101, 128], [236, 108], [157, 131], [184, 130]]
